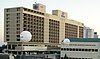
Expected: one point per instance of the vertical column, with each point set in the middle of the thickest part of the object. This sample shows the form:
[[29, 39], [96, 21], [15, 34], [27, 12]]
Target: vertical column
[[46, 30], [11, 46], [62, 30], [77, 31]]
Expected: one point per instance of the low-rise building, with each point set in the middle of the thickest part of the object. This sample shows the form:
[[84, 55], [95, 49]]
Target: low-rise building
[[31, 49], [72, 48], [81, 48]]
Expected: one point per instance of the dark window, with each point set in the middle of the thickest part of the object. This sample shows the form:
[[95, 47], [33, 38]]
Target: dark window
[[24, 25], [7, 25], [82, 49], [18, 17], [9, 46], [92, 50], [61, 48], [76, 49], [68, 49], [18, 9], [18, 14], [7, 35], [7, 10], [86, 49], [7, 39], [18, 39], [96, 50], [6, 32], [17, 24], [25, 29], [18, 35], [71, 49]]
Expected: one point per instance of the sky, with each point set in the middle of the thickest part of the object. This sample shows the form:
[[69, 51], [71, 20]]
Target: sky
[[85, 11]]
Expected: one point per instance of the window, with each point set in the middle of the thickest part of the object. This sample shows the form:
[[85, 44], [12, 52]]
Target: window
[[24, 25], [76, 49], [25, 29], [18, 17], [18, 14], [17, 32], [82, 49], [18, 39], [7, 39], [7, 32], [9, 46], [7, 36], [7, 18], [34, 11], [96, 50], [19, 45], [18, 28], [7, 28], [92, 50], [7, 15], [18, 9], [7, 22], [17, 24], [7, 10], [18, 21], [18, 35], [64, 48], [86, 49]]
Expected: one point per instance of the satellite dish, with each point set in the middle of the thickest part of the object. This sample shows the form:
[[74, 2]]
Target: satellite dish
[[25, 36], [66, 40]]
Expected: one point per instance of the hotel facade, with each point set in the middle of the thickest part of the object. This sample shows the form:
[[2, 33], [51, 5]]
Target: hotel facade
[[44, 27]]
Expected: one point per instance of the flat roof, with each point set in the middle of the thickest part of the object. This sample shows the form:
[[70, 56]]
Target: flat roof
[[84, 39]]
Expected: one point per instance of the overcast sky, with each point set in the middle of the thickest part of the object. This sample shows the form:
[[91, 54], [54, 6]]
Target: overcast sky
[[85, 11]]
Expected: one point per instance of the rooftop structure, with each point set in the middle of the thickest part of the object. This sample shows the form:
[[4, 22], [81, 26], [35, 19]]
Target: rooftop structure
[[84, 39]]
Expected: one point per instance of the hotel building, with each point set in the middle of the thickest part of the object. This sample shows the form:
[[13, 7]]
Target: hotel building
[[44, 27]]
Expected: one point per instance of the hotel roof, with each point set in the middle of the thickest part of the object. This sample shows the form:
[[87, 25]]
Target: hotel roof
[[84, 39]]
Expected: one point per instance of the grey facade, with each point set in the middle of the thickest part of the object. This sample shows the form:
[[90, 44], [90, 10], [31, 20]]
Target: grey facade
[[81, 48]]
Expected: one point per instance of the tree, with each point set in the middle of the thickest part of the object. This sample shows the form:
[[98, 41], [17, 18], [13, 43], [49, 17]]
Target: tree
[[2, 48]]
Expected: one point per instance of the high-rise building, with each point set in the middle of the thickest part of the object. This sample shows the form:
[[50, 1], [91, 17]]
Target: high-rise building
[[95, 35], [88, 32], [44, 27]]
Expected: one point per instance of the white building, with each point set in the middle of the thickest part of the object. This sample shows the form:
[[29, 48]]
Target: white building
[[88, 32], [80, 48]]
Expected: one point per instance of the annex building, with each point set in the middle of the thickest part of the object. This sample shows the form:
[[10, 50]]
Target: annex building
[[81, 48]]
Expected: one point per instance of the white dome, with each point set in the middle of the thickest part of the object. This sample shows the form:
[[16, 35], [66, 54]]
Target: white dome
[[25, 36], [66, 40]]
